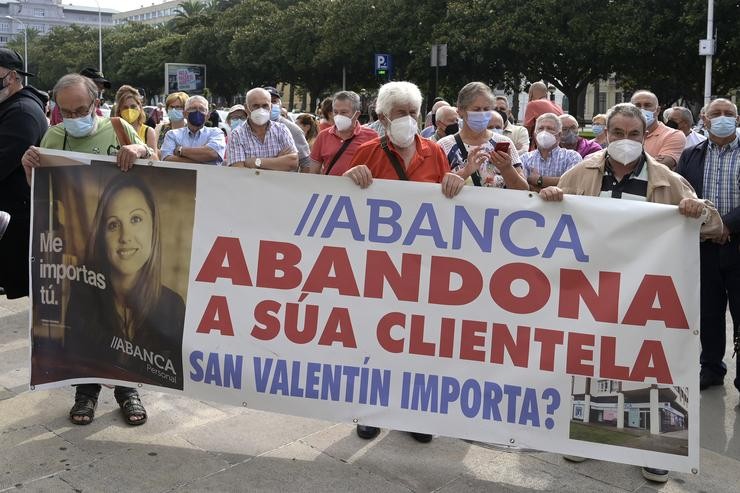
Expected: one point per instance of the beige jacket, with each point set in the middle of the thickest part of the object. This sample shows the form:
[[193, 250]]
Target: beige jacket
[[664, 187]]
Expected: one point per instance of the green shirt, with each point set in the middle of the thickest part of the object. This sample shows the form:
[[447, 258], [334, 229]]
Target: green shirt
[[103, 141]]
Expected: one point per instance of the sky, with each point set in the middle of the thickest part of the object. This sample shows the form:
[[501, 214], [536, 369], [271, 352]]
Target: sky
[[120, 5]]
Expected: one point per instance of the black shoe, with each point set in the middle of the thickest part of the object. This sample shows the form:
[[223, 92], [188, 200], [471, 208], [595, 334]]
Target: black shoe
[[367, 432], [421, 437], [655, 475], [708, 379]]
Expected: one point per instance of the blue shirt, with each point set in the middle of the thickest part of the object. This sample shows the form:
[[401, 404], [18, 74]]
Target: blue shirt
[[206, 136], [558, 162], [722, 176]]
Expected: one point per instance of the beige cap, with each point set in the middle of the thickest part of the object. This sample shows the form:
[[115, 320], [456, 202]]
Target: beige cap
[[236, 107]]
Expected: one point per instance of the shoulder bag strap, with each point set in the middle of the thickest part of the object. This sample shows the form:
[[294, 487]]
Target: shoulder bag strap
[[464, 153], [121, 135], [338, 155], [400, 171]]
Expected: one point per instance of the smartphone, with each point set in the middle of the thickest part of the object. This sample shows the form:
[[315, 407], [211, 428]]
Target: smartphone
[[502, 146]]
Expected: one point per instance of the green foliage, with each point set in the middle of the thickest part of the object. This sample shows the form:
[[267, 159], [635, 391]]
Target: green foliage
[[245, 43]]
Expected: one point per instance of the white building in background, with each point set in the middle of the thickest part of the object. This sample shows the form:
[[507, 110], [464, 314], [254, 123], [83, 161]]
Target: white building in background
[[156, 13], [654, 408], [43, 15]]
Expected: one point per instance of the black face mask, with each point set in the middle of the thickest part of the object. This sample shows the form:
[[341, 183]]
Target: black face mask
[[452, 129], [672, 124], [504, 116]]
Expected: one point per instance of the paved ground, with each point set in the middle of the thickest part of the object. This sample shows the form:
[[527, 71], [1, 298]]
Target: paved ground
[[198, 446]]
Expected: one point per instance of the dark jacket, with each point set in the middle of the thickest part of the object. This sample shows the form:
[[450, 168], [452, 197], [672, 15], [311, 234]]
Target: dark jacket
[[691, 167], [22, 124]]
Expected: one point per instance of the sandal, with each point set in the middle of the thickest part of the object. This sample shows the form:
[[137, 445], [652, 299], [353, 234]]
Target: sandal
[[131, 407], [84, 408]]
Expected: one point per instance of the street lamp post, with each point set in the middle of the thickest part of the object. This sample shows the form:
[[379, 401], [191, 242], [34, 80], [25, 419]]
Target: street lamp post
[[100, 38], [25, 46]]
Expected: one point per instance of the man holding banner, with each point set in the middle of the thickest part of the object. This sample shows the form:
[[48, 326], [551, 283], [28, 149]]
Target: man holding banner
[[83, 131], [625, 171]]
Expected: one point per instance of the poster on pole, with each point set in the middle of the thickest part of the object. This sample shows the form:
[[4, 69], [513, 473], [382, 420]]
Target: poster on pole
[[493, 316], [186, 77]]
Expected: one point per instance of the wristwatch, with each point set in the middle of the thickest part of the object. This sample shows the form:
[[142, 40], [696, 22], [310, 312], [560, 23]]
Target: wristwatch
[[539, 181], [258, 163], [178, 150]]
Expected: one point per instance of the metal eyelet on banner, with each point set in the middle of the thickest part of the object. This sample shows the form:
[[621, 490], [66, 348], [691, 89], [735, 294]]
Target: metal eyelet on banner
[[33, 387], [140, 385], [355, 420], [244, 404]]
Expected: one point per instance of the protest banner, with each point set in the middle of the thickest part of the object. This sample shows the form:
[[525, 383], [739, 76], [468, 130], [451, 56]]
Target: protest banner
[[568, 327]]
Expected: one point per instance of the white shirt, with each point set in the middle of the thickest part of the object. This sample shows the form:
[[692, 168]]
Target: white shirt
[[694, 138]]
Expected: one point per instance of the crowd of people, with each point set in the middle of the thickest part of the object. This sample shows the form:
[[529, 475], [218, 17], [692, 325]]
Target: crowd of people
[[634, 155]]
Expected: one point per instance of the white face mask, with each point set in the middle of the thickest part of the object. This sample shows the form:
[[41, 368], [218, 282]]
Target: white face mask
[[545, 140], [342, 122], [624, 151], [401, 131], [260, 116]]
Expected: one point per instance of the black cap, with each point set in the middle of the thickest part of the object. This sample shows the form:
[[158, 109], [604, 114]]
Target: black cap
[[96, 75], [12, 60], [273, 92]]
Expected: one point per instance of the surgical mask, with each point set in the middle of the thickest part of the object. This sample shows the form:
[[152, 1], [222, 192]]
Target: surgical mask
[[175, 115], [275, 112], [342, 122], [401, 131], [236, 123], [649, 116], [477, 121], [260, 116], [131, 115], [79, 127], [624, 151], [504, 116], [452, 129], [545, 140], [196, 118], [598, 129], [569, 137], [722, 126], [499, 131]]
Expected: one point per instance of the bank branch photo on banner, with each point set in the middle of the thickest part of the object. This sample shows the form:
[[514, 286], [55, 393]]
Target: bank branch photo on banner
[[569, 327]]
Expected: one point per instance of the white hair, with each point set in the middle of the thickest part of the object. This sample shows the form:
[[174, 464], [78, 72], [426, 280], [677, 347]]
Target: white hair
[[258, 90], [549, 116], [395, 94], [196, 99], [439, 114]]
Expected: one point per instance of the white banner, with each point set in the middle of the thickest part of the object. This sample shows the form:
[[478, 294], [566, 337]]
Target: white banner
[[568, 327]]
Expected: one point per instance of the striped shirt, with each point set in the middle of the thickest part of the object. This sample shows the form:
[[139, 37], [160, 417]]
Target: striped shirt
[[206, 136], [722, 176], [243, 143], [558, 162], [632, 186], [490, 175]]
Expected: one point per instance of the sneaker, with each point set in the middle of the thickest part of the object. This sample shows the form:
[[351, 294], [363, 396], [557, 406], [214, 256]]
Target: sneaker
[[367, 432], [708, 379], [655, 475], [421, 437], [574, 458]]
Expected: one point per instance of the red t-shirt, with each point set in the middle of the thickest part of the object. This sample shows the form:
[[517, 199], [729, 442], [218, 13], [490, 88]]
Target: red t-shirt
[[328, 144], [429, 164]]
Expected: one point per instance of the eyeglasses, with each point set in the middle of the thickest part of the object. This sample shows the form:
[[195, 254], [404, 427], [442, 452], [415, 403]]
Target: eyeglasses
[[76, 114]]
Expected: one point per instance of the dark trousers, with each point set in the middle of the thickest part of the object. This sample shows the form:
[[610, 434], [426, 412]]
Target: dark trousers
[[720, 284], [92, 390]]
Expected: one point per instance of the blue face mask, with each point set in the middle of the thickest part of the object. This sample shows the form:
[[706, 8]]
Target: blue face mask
[[236, 123], [722, 126], [477, 121], [275, 112], [79, 127], [196, 118], [175, 115], [598, 129], [649, 116], [499, 131]]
